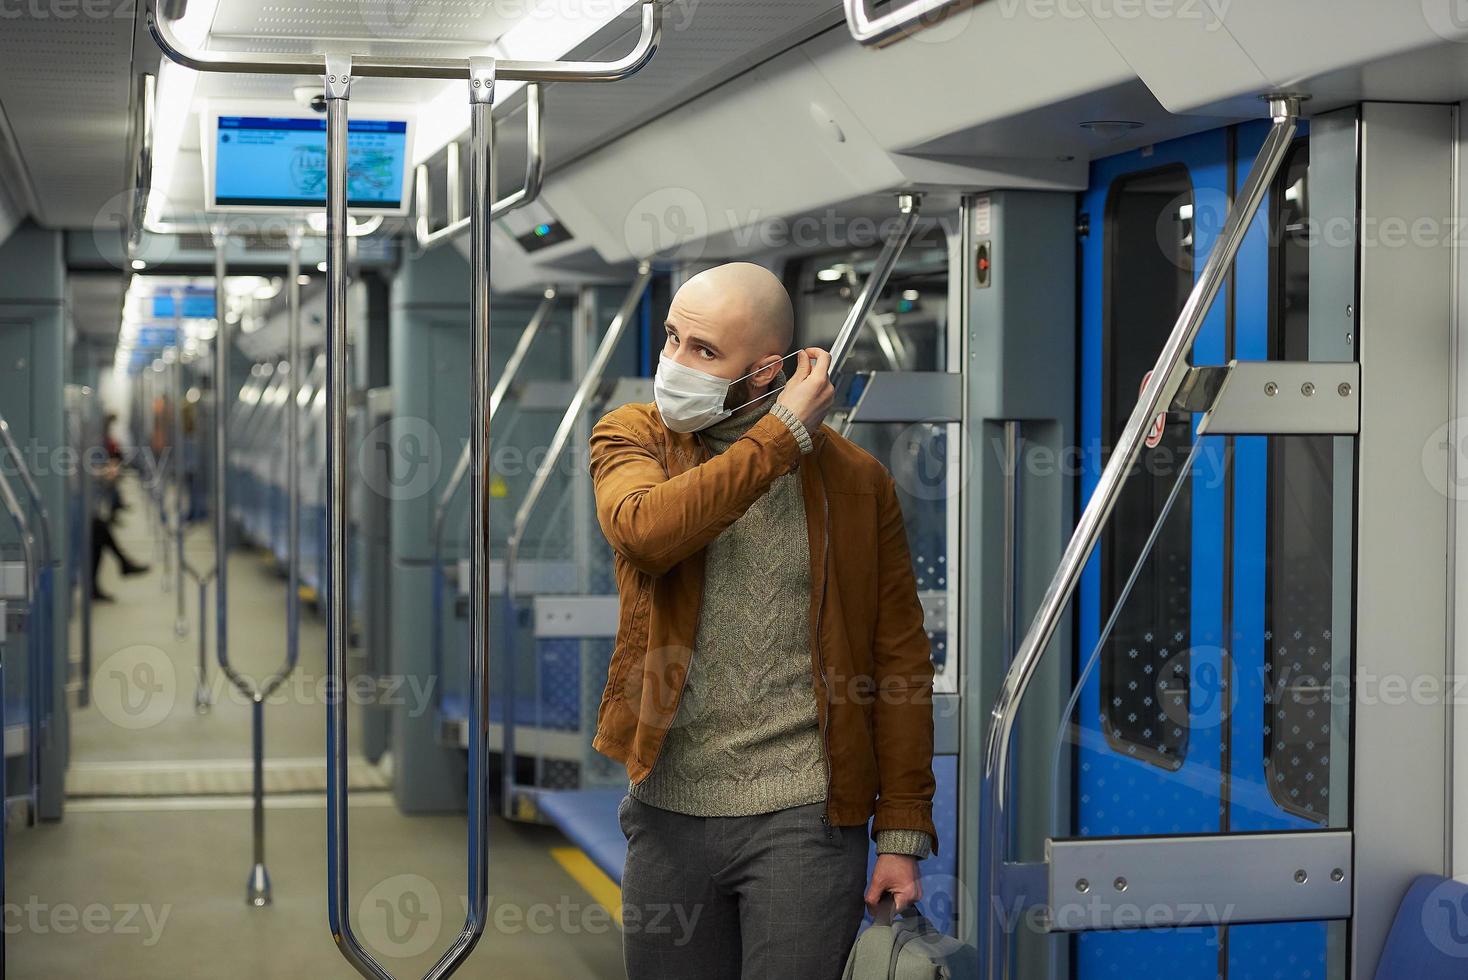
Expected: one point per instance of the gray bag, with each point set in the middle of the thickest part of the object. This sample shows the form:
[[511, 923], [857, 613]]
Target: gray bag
[[908, 948]]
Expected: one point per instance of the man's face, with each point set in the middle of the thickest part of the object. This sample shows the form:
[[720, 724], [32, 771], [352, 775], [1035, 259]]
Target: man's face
[[713, 334]]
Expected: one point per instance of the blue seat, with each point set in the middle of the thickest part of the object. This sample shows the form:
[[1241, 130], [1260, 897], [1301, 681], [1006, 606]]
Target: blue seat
[[588, 818], [1429, 938]]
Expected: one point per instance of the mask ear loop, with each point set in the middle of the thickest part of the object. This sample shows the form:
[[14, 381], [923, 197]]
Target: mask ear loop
[[772, 391]]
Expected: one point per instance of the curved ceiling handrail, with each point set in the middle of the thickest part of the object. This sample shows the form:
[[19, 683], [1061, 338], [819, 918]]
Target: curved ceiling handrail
[[876, 30], [529, 191], [259, 63]]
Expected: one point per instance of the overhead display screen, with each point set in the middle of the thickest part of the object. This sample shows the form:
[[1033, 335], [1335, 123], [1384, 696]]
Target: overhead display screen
[[279, 163]]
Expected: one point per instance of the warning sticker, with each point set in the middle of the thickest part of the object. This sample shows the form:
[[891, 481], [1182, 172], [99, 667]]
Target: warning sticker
[[982, 220]]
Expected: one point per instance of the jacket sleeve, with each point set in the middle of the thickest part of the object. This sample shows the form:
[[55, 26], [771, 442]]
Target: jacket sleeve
[[655, 521], [904, 684]]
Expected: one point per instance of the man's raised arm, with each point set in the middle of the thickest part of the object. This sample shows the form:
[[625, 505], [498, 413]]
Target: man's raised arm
[[656, 521]]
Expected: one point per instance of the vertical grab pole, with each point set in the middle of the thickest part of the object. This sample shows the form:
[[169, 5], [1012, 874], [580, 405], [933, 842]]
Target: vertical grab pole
[[338, 80], [162, 425], [202, 699], [257, 888], [221, 448], [1156, 396], [180, 621], [84, 694], [293, 451], [481, 200]]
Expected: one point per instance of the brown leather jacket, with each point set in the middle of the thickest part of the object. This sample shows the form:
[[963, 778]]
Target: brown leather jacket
[[661, 497]]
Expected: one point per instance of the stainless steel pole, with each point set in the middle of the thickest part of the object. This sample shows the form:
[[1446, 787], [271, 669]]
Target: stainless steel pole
[[338, 898], [908, 207], [293, 455], [481, 201], [84, 430], [180, 621], [221, 448], [203, 700]]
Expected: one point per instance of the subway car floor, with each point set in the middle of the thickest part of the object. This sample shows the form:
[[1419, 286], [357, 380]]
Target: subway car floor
[[145, 876]]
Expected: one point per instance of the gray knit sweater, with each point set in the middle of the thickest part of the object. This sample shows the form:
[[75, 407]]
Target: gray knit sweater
[[746, 737]]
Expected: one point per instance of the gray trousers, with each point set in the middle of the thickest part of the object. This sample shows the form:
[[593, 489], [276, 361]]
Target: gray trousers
[[763, 897]]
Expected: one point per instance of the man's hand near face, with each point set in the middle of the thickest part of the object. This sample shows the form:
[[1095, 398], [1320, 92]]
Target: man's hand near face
[[809, 393]]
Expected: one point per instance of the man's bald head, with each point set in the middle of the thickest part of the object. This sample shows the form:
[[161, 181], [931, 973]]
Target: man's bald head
[[732, 320]]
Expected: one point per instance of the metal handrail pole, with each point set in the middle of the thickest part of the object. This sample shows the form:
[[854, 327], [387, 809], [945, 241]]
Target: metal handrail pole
[[481, 167], [876, 30], [909, 207], [450, 69], [203, 699], [180, 620], [461, 469], [293, 456], [221, 454], [338, 79], [84, 480], [258, 892], [526, 193], [584, 392], [1156, 395]]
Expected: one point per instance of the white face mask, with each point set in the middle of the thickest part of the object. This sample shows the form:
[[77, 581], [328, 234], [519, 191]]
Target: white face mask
[[691, 400]]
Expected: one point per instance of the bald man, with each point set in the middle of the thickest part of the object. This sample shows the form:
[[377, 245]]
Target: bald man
[[770, 691]]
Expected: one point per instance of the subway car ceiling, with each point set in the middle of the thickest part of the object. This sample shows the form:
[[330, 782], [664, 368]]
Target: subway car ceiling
[[677, 159]]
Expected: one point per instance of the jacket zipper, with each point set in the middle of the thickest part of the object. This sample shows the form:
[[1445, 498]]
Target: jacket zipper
[[821, 657]]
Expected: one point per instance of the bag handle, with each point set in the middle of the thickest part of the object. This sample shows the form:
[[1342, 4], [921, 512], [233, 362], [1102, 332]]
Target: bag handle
[[875, 945]]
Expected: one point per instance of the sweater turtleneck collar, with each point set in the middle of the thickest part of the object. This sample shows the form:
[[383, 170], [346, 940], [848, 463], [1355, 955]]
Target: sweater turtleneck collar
[[723, 434]]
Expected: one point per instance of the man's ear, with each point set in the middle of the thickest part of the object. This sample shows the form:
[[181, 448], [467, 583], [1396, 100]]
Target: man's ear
[[764, 373]]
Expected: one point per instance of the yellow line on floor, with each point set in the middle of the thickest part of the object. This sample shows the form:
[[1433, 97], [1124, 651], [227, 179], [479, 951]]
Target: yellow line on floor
[[593, 879]]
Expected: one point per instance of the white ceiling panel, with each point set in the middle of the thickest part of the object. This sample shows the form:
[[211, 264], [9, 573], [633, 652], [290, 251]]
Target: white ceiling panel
[[402, 27], [705, 43], [65, 87]]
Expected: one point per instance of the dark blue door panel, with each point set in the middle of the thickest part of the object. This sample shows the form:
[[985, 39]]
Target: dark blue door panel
[[1172, 721]]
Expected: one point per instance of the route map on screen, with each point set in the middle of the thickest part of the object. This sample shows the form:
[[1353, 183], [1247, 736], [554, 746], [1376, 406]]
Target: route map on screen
[[262, 161]]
